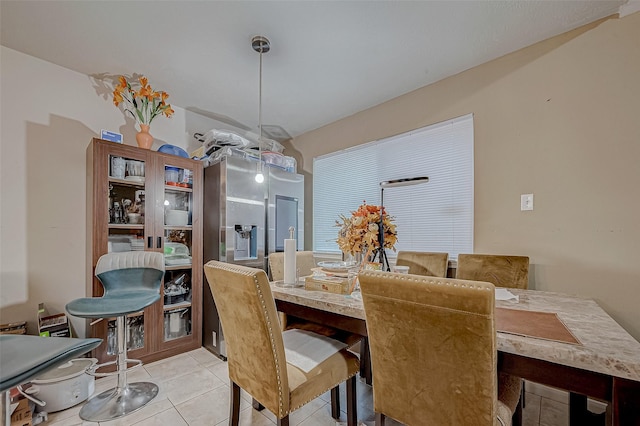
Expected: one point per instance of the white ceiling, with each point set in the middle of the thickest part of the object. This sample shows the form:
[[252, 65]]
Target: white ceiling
[[328, 59]]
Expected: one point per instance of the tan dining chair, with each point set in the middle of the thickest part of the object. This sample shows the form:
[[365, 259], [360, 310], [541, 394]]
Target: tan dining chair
[[499, 270], [258, 359], [433, 351], [502, 271], [424, 263], [304, 262]]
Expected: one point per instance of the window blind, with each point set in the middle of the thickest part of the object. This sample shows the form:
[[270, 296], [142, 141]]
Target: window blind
[[432, 216]]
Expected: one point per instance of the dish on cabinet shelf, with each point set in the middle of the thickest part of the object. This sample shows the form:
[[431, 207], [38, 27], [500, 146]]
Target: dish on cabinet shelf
[[139, 179], [177, 259]]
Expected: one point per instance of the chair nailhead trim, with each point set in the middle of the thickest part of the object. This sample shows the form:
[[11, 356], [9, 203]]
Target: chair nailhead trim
[[431, 280], [273, 345], [326, 390]]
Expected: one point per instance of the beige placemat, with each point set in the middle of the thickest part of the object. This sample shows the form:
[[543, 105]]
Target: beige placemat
[[541, 325]]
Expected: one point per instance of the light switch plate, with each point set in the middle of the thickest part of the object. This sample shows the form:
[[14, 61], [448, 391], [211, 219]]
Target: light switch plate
[[526, 202]]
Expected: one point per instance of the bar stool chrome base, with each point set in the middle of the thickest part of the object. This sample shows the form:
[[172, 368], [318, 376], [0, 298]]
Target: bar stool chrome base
[[118, 402]]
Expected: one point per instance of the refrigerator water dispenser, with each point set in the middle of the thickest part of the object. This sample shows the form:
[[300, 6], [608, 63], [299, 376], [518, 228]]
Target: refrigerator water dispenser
[[245, 243]]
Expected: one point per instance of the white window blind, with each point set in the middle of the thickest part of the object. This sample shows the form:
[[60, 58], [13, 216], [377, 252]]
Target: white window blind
[[432, 216]]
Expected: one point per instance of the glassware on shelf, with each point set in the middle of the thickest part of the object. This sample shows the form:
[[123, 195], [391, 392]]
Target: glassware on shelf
[[135, 170], [177, 323], [134, 334], [118, 167]]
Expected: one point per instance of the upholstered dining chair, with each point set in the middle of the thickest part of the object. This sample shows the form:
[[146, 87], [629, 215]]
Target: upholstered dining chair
[[262, 359], [304, 263], [499, 270], [424, 263], [433, 351]]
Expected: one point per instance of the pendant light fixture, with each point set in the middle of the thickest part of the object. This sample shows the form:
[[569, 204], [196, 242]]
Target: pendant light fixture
[[261, 45]]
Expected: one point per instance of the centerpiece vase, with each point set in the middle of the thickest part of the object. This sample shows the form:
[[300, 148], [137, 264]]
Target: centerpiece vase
[[143, 137]]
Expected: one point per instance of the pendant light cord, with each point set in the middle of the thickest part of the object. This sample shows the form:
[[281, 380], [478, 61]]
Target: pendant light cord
[[261, 45], [260, 116]]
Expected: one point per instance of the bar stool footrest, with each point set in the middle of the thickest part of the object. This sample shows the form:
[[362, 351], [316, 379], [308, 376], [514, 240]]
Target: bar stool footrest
[[93, 371]]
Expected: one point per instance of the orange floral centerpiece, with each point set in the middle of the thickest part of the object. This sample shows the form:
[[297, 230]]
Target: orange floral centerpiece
[[360, 232], [144, 104]]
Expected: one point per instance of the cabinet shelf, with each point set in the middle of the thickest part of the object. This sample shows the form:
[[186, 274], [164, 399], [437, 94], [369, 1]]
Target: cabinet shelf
[[126, 182], [126, 226], [171, 188], [177, 306], [178, 228], [177, 267]]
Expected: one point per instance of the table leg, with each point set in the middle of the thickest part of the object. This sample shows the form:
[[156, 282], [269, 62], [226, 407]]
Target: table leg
[[626, 402]]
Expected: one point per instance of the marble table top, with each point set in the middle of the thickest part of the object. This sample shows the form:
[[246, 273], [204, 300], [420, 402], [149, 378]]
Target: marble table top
[[606, 347]]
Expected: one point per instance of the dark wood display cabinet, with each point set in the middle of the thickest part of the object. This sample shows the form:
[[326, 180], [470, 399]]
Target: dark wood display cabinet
[[145, 200]]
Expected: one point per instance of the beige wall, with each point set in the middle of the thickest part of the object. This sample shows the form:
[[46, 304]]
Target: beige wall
[[48, 116], [561, 120]]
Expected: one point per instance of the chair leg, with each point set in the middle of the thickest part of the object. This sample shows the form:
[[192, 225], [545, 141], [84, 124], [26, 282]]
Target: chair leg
[[256, 405], [234, 413], [380, 419], [352, 402], [335, 402], [126, 397], [516, 419], [365, 361], [284, 421], [577, 409]]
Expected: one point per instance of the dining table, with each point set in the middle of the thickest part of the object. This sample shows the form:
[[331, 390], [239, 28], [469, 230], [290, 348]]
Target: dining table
[[595, 357]]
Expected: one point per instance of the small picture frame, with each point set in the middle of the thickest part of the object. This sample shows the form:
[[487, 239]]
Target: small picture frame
[[111, 136]]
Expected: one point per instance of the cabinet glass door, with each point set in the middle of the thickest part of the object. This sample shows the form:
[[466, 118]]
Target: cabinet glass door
[[126, 204], [126, 232], [134, 333], [178, 249]]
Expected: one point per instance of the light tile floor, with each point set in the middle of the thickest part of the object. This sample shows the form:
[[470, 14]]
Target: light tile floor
[[194, 391]]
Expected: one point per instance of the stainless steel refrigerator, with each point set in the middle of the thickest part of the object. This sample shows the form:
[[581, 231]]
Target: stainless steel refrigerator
[[236, 210], [285, 208]]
